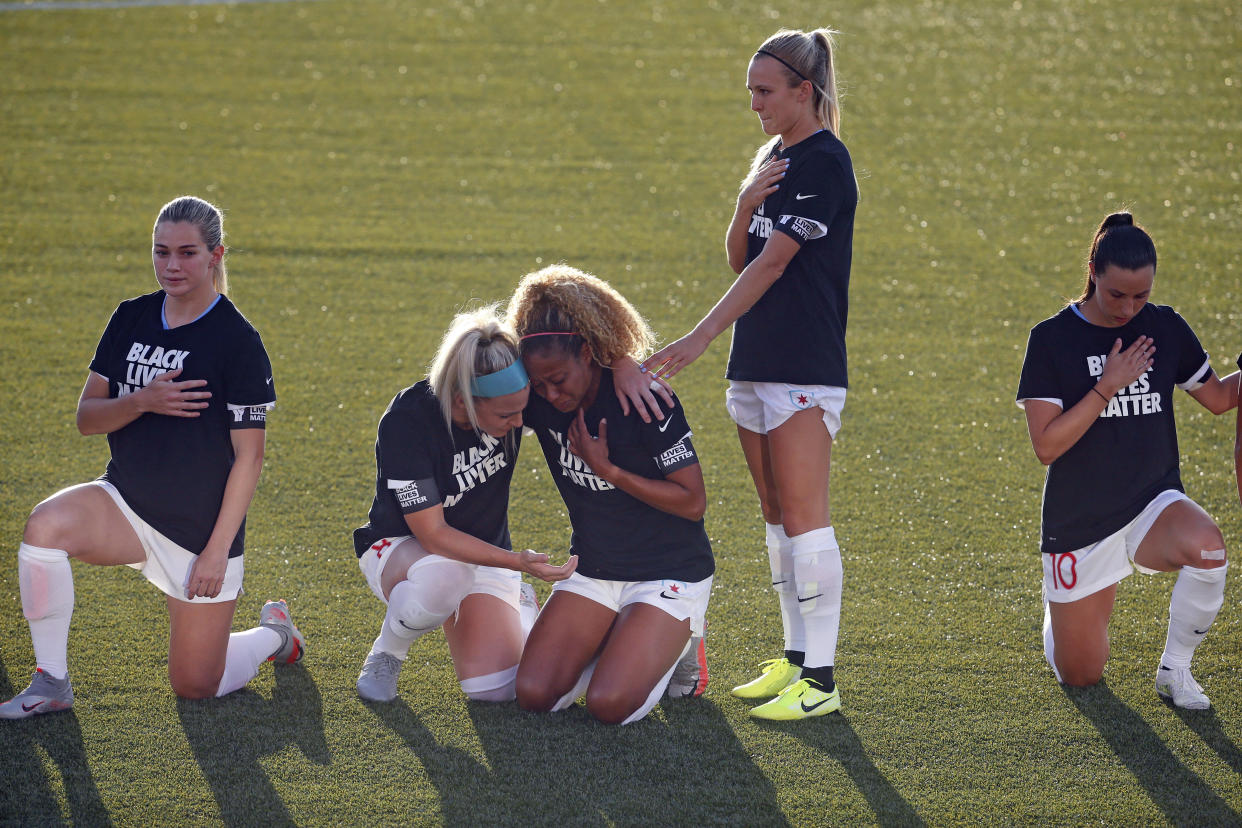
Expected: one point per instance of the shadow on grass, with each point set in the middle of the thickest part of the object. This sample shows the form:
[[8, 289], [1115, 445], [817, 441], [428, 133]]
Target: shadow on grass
[[230, 735], [1207, 725], [833, 737], [684, 766], [1178, 792], [27, 795]]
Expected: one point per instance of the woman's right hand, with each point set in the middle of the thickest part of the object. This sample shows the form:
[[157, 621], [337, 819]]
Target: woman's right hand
[[1124, 367], [174, 399], [536, 564], [767, 180]]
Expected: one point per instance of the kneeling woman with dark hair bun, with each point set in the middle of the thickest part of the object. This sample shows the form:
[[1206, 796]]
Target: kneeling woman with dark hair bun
[[1097, 387]]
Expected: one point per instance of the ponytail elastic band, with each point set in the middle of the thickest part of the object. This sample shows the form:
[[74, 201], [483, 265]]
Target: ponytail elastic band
[[508, 380], [788, 65]]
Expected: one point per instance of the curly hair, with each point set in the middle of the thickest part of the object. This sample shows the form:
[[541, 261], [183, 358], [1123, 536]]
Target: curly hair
[[560, 299]]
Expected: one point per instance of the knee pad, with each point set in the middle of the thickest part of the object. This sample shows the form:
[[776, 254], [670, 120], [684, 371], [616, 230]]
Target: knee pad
[[493, 687], [817, 572], [440, 583]]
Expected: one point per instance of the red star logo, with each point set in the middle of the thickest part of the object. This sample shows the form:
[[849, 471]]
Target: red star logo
[[381, 546], [675, 588], [802, 399]]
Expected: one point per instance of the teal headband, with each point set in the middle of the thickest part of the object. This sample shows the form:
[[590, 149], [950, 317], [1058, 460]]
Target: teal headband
[[508, 380]]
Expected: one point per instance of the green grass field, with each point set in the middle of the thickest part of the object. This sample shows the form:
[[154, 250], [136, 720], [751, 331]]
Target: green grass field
[[384, 164]]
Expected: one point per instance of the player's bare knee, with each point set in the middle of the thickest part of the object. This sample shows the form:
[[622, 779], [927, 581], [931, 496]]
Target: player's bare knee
[[193, 687], [1081, 673], [611, 706], [533, 694], [48, 526]]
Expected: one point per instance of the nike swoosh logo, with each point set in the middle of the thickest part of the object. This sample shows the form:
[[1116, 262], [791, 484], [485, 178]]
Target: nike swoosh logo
[[801, 197], [664, 425], [28, 708], [1203, 631], [812, 598], [269, 380], [415, 629], [669, 597], [775, 583], [806, 709]]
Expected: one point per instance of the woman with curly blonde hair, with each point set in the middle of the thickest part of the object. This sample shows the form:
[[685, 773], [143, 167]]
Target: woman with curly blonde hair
[[618, 626]]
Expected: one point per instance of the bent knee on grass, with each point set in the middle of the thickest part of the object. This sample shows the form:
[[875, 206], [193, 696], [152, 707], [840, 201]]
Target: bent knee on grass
[[535, 694], [194, 687], [613, 706]]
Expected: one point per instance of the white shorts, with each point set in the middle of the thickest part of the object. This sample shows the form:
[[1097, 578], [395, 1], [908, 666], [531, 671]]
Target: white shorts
[[168, 565], [1069, 576], [680, 599], [505, 584], [764, 406]]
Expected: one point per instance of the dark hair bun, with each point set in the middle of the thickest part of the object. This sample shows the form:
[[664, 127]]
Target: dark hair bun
[[1121, 219]]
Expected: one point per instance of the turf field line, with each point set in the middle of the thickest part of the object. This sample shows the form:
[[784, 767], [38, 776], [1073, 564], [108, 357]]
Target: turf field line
[[127, 4]]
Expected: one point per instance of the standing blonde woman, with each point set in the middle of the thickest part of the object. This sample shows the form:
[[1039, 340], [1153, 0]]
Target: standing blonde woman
[[791, 242], [181, 384]]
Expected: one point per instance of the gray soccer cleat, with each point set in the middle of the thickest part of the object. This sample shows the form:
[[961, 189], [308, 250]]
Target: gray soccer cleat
[[1178, 686], [44, 695], [275, 615], [378, 679]]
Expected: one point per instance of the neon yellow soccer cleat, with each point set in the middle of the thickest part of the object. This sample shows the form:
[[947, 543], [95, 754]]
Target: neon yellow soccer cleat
[[778, 673], [800, 700]]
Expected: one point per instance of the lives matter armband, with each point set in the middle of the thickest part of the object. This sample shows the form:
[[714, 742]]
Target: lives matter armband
[[248, 416]]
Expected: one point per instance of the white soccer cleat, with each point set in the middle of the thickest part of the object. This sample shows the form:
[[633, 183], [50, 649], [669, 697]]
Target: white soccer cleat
[[44, 695], [378, 680], [1178, 686]]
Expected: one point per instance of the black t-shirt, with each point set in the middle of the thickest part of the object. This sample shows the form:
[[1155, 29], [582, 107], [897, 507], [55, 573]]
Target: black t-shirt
[[1129, 455], [795, 332], [616, 536], [172, 470], [421, 462]]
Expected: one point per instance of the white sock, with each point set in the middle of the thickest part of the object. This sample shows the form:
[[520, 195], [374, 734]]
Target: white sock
[[46, 582], [246, 652], [1197, 597], [818, 576], [780, 560], [433, 589]]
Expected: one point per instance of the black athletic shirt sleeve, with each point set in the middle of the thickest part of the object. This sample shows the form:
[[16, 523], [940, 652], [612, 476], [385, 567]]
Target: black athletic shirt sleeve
[[407, 461], [816, 192], [249, 388]]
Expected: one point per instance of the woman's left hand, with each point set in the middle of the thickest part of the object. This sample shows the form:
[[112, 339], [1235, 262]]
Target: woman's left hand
[[594, 450], [670, 359], [207, 575]]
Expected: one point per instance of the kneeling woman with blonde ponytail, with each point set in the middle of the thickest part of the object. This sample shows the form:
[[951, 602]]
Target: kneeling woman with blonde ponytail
[[436, 549]]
